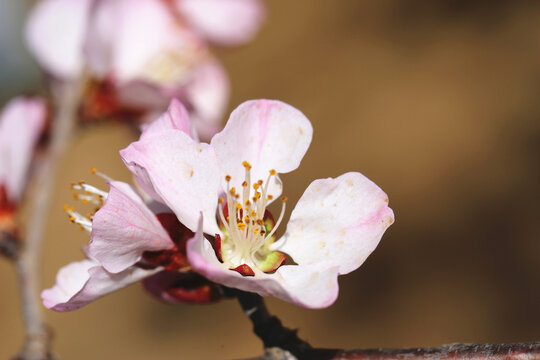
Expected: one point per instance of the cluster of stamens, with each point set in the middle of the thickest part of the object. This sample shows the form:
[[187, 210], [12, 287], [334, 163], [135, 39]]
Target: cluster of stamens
[[245, 220], [87, 194]]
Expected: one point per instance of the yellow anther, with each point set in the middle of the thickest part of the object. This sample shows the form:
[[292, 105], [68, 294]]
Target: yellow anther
[[247, 202], [84, 201], [244, 184], [246, 165], [253, 213], [284, 199], [65, 207], [259, 222], [246, 219], [272, 172], [233, 191], [255, 231], [227, 177], [260, 182], [93, 170], [221, 200], [238, 206], [256, 186], [72, 219], [270, 197]]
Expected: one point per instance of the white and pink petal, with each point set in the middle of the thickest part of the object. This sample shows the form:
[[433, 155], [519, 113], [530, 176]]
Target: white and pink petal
[[269, 135], [80, 283], [55, 35], [181, 171], [175, 118], [21, 123], [226, 22], [339, 221], [208, 94], [124, 228]]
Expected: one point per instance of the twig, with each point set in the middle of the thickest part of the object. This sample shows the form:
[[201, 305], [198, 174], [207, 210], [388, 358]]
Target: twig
[[273, 334], [282, 343], [521, 351], [517, 351], [28, 262]]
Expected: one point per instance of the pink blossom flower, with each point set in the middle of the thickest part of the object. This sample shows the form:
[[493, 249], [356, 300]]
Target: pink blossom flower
[[21, 123], [222, 189], [130, 241], [142, 53]]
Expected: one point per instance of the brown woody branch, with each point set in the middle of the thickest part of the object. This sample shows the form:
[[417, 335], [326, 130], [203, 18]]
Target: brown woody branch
[[282, 343], [37, 344]]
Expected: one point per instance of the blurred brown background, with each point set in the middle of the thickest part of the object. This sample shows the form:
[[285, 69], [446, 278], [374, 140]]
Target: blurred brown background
[[435, 101]]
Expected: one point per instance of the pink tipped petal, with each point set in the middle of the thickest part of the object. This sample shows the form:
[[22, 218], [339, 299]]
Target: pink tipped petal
[[21, 124], [208, 94], [226, 22], [339, 221], [55, 34], [124, 228], [182, 172], [311, 286], [268, 134], [80, 283], [176, 118]]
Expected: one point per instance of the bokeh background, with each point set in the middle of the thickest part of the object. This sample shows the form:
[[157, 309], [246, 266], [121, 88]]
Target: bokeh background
[[438, 102]]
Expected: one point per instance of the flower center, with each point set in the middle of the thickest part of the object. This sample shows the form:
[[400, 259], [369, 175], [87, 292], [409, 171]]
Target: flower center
[[248, 228]]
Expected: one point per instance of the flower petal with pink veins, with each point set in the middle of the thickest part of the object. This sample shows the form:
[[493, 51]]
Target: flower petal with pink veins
[[268, 134], [226, 22], [124, 228], [183, 173], [311, 286], [176, 118], [82, 282], [208, 95], [55, 35], [21, 124], [339, 221]]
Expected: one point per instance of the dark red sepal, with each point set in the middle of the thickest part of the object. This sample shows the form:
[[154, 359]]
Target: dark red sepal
[[7, 213], [173, 259], [244, 270], [217, 247], [101, 101], [189, 287]]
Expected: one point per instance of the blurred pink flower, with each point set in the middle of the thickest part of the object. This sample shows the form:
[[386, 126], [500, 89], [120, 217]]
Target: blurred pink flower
[[130, 241], [224, 22], [148, 51], [21, 124], [222, 189]]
